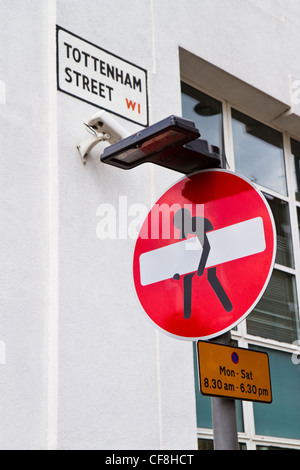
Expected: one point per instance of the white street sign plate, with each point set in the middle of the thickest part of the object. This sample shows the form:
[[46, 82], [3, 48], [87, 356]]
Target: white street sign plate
[[91, 74]]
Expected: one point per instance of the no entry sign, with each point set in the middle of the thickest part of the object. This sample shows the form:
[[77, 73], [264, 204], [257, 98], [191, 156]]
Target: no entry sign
[[204, 254]]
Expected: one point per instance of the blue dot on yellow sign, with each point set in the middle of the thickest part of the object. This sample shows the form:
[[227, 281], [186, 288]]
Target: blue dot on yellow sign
[[235, 357]]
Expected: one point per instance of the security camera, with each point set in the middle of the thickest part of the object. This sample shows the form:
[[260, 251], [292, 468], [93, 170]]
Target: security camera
[[105, 123], [103, 128]]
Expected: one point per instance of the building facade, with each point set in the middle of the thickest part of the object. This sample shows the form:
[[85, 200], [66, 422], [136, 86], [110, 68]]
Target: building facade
[[81, 366]]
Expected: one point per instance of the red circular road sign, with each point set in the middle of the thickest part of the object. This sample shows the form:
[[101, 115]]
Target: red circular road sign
[[204, 255]]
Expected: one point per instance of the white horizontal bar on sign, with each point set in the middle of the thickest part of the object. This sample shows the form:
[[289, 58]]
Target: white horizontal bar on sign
[[236, 241], [163, 263], [226, 244]]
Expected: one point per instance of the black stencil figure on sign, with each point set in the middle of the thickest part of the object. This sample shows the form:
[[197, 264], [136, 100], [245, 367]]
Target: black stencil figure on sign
[[198, 226]]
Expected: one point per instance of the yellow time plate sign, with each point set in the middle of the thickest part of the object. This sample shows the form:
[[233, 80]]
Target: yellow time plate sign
[[238, 373]]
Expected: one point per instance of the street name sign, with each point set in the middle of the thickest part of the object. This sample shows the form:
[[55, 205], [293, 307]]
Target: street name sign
[[237, 373], [92, 74], [204, 254]]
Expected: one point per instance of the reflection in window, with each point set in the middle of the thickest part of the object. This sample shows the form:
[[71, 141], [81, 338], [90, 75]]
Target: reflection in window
[[208, 444], [263, 447], [296, 153], [280, 418], [276, 314], [280, 211], [206, 112], [258, 151], [205, 444]]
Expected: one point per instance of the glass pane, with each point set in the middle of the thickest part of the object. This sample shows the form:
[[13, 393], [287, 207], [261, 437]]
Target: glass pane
[[281, 418], [205, 444], [262, 447], [208, 444], [280, 211], [203, 403], [276, 314], [206, 112], [296, 153], [258, 152]]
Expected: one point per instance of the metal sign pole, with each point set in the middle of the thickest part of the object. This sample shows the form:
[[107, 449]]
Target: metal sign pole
[[224, 414], [223, 410]]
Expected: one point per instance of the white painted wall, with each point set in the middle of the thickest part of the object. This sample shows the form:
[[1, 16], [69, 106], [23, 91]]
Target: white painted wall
[[24, 224], [84, 369]]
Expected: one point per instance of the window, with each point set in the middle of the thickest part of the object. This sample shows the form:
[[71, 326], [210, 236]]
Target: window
[[282, 417], [280, 211], [206, 112], [295, 146], [264, 155], [276, 316], [258, 152], [296, 154]]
